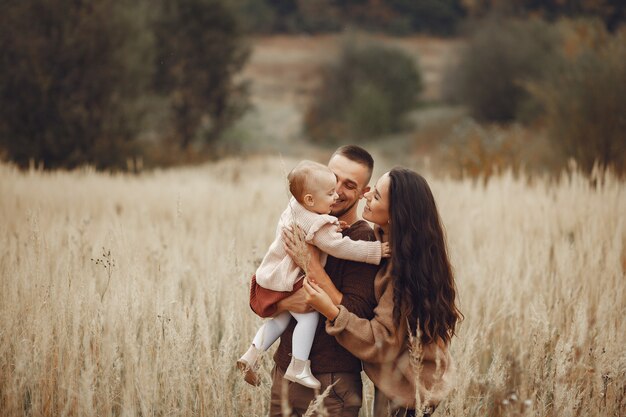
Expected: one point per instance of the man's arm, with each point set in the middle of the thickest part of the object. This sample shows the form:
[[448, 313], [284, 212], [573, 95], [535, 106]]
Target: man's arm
[[358, 281], [295, 303], [357, 293], [358, 288]]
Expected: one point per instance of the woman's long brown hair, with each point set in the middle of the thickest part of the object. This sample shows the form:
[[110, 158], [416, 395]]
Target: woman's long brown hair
[[424, 289]]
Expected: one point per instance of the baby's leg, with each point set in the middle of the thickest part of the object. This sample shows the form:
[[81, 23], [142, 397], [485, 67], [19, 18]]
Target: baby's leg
[[303, 334], [271, 330]]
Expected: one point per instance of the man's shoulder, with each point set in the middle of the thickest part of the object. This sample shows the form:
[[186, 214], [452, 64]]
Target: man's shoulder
[[360, 230]]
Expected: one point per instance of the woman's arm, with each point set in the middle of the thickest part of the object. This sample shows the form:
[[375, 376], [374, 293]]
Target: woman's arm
[[317, 298], [317, 274], [377, 340]]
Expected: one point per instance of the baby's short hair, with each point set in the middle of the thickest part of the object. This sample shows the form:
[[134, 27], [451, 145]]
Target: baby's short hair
[[300, 178]]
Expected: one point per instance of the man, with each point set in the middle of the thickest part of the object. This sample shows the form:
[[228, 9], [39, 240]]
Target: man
[[331, 363]]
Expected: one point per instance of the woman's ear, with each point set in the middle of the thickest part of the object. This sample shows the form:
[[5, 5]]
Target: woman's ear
[[308, 200]]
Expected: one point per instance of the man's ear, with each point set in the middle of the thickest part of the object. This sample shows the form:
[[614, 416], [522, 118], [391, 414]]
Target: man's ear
[[308, 200], [363, 191]]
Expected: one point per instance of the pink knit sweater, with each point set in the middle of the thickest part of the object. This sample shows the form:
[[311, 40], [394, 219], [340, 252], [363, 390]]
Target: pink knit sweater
[[278, 272], [384, 350]]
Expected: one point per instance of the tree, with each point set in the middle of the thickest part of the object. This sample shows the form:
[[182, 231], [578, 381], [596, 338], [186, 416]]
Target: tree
[[500, 57], [199, 52], [612, 12], [66, 87], [584, 100], [366, 93], [439, 17]]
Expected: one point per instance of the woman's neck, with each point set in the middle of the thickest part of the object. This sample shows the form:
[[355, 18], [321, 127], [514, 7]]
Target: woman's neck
[[384, 232]]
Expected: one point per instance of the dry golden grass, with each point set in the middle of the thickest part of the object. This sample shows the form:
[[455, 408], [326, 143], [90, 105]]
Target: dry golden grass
[[539, 264]]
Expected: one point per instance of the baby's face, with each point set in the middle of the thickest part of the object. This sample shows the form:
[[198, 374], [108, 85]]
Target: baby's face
[[323, 192]]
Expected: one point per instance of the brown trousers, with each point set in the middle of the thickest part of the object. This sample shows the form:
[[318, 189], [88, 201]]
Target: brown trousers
[[344, 398], [383, 407]]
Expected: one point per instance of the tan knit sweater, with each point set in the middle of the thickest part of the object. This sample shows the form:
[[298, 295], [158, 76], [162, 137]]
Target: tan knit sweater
[[384, 350], [278, 272]]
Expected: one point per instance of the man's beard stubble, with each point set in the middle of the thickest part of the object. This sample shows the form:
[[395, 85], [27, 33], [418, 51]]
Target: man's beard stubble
[[344, 211]]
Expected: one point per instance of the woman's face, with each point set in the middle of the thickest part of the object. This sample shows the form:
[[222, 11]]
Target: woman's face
[[377, 207]]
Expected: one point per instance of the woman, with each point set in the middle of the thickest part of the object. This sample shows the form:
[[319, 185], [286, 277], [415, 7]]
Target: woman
[[404, 347]]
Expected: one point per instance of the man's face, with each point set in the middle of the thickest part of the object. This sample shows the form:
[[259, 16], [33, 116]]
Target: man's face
[[352, 179]]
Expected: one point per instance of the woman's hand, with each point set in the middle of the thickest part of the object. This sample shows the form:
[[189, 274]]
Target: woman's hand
[[317, 298], [305, 256]]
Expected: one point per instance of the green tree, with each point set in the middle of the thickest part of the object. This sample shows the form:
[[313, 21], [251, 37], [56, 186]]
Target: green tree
[[439, 17], [256, 16], [612, 12], [366, 93], [200, 49], [585, 101], [67, 87], [499, 58]]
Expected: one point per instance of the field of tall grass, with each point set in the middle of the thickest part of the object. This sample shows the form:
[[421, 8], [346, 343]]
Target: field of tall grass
[[126, 295]]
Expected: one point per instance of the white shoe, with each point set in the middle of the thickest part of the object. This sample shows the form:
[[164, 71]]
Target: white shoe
[[299, 371], [248, 365]]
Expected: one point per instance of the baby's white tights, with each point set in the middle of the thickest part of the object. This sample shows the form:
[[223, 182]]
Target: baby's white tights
[[303, 333]]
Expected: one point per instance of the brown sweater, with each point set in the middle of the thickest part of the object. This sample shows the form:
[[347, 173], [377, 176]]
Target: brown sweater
[[384, 350], [355, 280]]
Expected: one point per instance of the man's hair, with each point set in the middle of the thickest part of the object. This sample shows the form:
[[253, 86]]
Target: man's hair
[[357, 154], [300, 177]]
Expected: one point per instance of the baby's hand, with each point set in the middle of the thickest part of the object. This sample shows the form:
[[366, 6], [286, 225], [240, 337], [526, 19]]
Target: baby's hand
[[385, 250], [342, 226]]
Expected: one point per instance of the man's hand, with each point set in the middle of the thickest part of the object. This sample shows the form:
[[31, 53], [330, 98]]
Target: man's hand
[[385, 250], [295, 303], [301, 254]]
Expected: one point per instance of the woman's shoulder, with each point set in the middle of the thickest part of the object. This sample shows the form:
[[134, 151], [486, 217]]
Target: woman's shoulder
[[383, 283]]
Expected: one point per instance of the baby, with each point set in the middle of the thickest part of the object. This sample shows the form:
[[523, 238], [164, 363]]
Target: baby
[[312, 186]]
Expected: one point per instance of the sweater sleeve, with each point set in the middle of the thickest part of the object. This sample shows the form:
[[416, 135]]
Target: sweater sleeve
[[329, 240], [376, 340], [358, 288]]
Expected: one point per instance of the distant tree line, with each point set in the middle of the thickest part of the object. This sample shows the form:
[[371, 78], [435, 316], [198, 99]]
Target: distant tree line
[[611, 12], [402, 17], [98, 81], [79, 79], [397, 17]]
